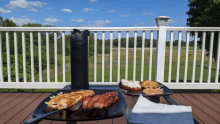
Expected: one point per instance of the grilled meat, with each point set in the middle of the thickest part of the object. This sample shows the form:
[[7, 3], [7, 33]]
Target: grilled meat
[[85, 102], [92, 101]]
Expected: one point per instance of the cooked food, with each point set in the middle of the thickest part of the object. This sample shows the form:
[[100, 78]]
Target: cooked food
[[92, 101], [149, 84], [68, 99], [85, 102], [153, 91], [130, 85], [101, 101]]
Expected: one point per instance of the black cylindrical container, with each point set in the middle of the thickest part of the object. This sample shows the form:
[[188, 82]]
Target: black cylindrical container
[[79, 59]]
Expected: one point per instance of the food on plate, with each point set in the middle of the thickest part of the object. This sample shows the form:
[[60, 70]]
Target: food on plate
[[86, 101], [153, 91], [68, 99], [130, 85], [149, 84], [100, 101]]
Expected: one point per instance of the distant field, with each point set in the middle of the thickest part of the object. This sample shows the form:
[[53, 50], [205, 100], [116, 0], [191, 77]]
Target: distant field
[[138, 66]]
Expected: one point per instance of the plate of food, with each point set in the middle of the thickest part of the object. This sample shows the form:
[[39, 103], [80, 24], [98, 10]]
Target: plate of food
[[146, 88], [96, 104]]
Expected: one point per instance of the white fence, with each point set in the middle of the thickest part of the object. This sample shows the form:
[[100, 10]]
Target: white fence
[[160, 56]]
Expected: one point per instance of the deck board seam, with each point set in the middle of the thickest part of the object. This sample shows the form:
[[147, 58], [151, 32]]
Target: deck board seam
[[193, 104], [198, 107], [216, 97], [24, 108], [204, 103]]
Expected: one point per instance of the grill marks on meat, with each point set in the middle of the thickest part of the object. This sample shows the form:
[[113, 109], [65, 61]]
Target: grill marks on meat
[[101, 101], [92, 101], [85, 102]]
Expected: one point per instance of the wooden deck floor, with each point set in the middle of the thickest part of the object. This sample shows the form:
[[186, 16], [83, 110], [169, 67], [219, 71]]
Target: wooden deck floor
[[16, 108]]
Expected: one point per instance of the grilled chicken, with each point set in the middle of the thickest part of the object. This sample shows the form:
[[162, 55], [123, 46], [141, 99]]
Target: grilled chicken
[[85, 102], [92, 101]]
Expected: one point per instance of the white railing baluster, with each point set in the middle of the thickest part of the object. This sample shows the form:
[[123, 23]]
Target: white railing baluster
[[8, 56], [111, 45], [142, 56], [171, 55], [119, 53], [24, 56], [103, 57], [40, 58], [126, 60], [151, 52], [16, 56], [194, 57], [210, 57], [64, 56], [48, 57], [186, 57], [1, 60], [217, 60], [32, 57], [55, 57], [134, 64], [202, 57], [178, 57], [95, 56]]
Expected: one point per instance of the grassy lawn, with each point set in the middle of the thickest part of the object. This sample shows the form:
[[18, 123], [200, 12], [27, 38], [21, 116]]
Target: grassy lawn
[[138, 66]]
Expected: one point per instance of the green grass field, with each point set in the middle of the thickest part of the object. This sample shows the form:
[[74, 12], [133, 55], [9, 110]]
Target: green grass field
[[138, 66]]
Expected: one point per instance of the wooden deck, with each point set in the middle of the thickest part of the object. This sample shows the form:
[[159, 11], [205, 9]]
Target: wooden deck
[[16, 108]]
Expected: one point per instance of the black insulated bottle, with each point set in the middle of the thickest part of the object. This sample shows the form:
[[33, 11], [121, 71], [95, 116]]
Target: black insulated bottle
[[79, 59]]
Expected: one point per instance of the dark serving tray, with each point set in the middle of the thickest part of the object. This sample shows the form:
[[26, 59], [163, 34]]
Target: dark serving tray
[[115, 110], [166, 90]]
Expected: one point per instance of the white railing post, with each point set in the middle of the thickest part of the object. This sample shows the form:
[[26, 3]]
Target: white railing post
[[162, 22]]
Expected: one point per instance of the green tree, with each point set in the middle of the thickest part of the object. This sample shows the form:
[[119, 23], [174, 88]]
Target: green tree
[[205, 13]]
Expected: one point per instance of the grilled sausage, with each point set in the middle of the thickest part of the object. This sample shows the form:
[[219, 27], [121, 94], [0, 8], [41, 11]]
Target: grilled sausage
[[92, 100], [85, 102]]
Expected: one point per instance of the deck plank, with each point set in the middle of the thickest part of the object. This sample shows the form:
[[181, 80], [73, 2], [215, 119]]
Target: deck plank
[[73, 122], [27, 118], [213, 114], [14, 103], [9, 99], [106, 121], [212, 98], [28, 110], [90, 122], [10, 114], [4, 96], [197, 112], [54, 122], [216, 95], [207, 102]]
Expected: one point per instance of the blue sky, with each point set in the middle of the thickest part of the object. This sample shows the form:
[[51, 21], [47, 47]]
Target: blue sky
[[107, 13]]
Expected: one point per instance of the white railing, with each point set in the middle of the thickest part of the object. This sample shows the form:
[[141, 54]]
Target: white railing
[[160, 57]]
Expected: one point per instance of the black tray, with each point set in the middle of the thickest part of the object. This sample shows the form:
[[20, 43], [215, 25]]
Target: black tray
[[115, 110], [166, 90]]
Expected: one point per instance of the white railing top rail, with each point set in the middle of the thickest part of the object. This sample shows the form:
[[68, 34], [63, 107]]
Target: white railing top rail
[[79, 28], [193, 28]]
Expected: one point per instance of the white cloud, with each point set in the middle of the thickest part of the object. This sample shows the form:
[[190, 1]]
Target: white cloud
[[52, 20], [25, 4], [87, 9], [111, 11], [93, 0], [21, 21], [148, 13], [32, 9], [50, 16], [49, 8], [124, 15], [138, 24], [173, 21], [78, 20], [97, 23], [67, 10], [4, 10], [97, 9], [24, 16]]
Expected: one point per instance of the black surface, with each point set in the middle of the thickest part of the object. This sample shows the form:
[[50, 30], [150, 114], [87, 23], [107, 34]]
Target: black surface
[[115, 110], [171, 101], [166, 90]]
